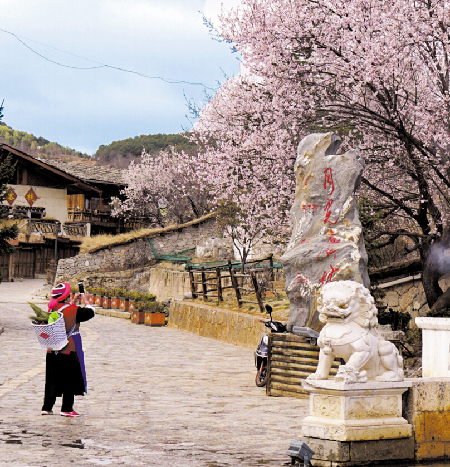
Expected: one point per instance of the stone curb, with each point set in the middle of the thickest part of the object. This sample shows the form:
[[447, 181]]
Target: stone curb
[[113, 313]]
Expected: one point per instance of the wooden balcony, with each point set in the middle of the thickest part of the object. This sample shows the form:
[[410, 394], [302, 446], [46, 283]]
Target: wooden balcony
[[103, 219]]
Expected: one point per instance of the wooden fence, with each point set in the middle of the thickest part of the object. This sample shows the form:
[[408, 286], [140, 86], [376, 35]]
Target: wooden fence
[[215, 279]]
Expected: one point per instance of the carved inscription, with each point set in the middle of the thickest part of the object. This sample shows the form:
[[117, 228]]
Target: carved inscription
[[373, 407], [327, 406]]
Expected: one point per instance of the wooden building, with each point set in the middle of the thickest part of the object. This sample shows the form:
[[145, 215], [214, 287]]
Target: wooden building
[[54, 208], [95, 212]]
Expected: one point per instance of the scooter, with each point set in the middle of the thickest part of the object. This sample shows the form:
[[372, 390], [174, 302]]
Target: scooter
[[261, 350]]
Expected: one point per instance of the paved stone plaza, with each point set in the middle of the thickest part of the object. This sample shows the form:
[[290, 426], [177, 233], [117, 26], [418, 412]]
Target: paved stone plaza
[[157, 397]]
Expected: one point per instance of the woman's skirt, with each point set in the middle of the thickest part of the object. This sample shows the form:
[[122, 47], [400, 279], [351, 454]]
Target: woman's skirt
[[63, 375]]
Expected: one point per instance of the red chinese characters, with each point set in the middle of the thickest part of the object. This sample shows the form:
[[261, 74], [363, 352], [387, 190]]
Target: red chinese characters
[[329, 248], [310, 207], [11, 196], [328, 212], [31, 197], [328, 182], [328, 276], [301, 279]]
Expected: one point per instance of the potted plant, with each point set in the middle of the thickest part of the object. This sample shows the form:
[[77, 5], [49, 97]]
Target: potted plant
[[435, 343], [91, 296], [132, 299], [98, 297], [124, 303], [106, 299], [138, 314], [154, 314], [115, 303]]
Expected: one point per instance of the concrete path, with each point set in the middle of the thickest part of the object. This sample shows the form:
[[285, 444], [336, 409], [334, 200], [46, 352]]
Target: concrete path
[[157, 397]]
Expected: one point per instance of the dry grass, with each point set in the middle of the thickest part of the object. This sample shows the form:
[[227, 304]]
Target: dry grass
[[92, 244]]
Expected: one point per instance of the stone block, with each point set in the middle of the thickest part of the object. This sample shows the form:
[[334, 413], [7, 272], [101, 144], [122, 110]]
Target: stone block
[[406, 300], [383, 449], [437, 426], [328, 450], [426, 396], [355, 433], [445, 387], [430, 451], [418, 422], [391, 299]]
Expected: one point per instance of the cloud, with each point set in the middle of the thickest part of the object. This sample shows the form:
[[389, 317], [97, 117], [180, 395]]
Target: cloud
[[85, 108]]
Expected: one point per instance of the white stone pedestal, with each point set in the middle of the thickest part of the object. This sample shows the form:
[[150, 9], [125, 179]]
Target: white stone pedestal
[[435, 346], [355, 412]]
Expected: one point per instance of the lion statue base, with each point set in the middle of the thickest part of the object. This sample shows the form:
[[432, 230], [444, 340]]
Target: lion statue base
[[351, 333]]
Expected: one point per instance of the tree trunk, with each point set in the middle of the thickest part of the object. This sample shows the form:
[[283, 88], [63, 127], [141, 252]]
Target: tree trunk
[[442, 302], [436, 265]]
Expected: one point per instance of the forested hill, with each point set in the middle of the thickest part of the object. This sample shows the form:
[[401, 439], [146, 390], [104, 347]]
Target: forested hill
[[38, 146], [120, 153]]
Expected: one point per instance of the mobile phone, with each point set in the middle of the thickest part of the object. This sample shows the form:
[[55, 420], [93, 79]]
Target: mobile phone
[[81, 287]]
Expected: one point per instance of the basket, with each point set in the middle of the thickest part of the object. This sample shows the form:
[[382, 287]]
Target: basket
[[52, 336]]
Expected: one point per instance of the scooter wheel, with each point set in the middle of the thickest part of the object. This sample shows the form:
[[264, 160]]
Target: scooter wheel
[[261, 379]]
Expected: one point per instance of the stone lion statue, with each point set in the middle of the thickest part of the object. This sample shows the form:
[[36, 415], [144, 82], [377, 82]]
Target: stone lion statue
[[351, 333]]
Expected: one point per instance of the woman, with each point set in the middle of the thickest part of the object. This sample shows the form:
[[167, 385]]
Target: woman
[[65, 375]]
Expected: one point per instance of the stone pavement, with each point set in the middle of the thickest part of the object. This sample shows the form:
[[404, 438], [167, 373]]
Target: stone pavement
[[157, 397]]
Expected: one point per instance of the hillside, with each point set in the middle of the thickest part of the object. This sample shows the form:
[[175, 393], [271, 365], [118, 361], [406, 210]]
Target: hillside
[[120, 153], [39, 146], [117, 154]]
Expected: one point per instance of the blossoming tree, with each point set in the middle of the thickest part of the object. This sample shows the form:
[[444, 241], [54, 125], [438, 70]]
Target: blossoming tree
[[162, 189], [378, 69]]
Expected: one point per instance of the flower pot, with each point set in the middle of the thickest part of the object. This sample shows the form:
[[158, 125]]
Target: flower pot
[[98, 300], [138, 317], [115, 302], [435, 346], [106, 302], [131, 305], [124, 304], [155, 319]]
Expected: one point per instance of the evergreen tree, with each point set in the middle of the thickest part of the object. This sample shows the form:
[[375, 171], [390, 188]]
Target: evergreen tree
[[7, 232]]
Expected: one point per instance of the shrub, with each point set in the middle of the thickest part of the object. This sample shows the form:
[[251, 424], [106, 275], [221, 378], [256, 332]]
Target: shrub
[[150, 306], [442, 313], [398, 320]]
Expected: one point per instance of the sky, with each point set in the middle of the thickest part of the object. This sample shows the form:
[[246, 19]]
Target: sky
[[84, 104]]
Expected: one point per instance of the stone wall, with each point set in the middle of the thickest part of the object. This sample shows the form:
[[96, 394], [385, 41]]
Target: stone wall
[[427, 408], [135, 254], [408, 296], [218, 323], [169, 280]]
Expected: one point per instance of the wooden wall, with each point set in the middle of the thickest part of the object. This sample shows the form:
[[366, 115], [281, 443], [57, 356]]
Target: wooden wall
[[28, 261], [291, 359]]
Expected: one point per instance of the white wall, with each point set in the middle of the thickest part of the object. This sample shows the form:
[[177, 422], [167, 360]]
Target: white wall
[[52, 199]]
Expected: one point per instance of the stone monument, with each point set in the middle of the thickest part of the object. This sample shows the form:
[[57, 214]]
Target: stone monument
[[327, 243]]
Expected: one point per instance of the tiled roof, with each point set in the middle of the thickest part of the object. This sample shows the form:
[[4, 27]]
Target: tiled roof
[[91, 173]]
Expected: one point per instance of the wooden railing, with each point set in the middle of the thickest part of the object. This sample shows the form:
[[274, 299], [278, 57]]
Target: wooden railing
[[212, 286], [103, 218], [43, 227], [75, 230]]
